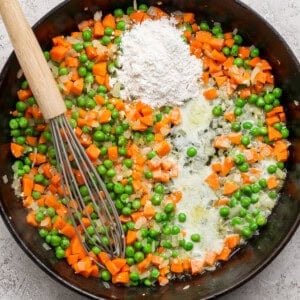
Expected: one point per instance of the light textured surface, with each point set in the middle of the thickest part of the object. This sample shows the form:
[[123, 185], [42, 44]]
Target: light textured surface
[[20, 278]]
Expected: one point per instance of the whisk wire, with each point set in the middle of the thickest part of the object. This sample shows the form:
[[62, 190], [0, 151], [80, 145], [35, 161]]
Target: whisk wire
[[102, 204]]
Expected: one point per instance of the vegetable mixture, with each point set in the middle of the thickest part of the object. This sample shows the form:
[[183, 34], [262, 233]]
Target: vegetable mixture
[[229, 144]]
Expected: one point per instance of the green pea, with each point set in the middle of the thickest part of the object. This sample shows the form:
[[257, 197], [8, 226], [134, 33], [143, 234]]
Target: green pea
[[253, 99], [151, 154], [118, 188], [234, 50], [255, 188], [285, 133], [51, 212], [99, 136], [244, 167], [254, 52], [245, 140], [59, 253], [247, 125], [43, 232], [238, 111], [21, 106], [175, 230], [217, 111], [216, 29], [195, 237], [204, 26], [36, 195], [260, 102], [23, 122], [245, 202], [263, 183], [149, 137], [261, 220], [280, 165], [136, 204], [272, 169], [78, 47], [166, 244], [121, 25], [128, 163], [277, 92], [191, 152], [263, 131], [134, 276], [238, 39], [238, 62], [143, 7], [105, 40], [46, 55], [156, 199], [224, 211], [239, 159], [159, 188], [246, 232], [105, 275], [63, 71], [188, 246], [226, 51], [169, 208], [147, 249], [108, 31], [235, 126], [235, 221], [87, 35], [232, 202], [111, 173], [55, 240], [272, 195], [139, 256]]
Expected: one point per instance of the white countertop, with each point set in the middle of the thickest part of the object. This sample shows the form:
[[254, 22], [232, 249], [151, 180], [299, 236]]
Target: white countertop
[[21, 279]]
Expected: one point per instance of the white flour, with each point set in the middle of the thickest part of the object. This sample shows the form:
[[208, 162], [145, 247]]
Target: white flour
[[157, 67]]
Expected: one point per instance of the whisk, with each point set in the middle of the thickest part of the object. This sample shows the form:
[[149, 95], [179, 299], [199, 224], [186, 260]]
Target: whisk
[[108, 232]]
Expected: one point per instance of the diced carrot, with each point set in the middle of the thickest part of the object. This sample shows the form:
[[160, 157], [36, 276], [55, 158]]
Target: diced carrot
[[216, 167], [27, 186], [273, 134], [30, 219], [210, 258], [220, 80], [104, 116], [227, 166], [100, 69], [103, 257], [109, 21], [224, 255], [213, 181], [210, 94], [157, 260], [149, 210], [58, 53], [197, 265], [16, 149], [229, 42], [229, 116], [163, 148], [216, 43], [39, 188], [245, 93], [145, 263], [72, 62], [218, 56], [221, 202], [176, 265], [229, 188], [93, 152], [112, 152], [276, 110], [98, 30], [162, 280], [138, 16], [77, 86], [131, 237], [222, 142], [119, 262], [235, 137], [59, 223], [244, 52], [231, 241], [272, 182], [68, 230], [189, 17], [122, 277], [72, 259], [24, 94]]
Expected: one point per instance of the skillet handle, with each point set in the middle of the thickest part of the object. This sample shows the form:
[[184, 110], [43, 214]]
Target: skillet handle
[[31, 59]]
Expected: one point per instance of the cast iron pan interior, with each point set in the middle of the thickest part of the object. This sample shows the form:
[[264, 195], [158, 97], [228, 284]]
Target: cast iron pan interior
[[250, 259]]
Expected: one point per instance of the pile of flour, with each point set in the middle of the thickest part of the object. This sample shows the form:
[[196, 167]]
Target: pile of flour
[[156, 65]]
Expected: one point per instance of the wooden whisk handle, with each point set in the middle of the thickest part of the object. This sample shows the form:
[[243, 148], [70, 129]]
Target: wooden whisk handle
[[31, 59]]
